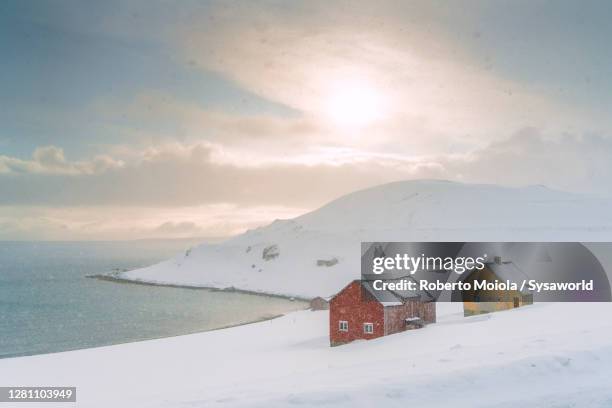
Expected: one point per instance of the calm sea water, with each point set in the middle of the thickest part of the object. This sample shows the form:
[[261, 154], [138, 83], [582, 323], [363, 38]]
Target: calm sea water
[[48, 305]]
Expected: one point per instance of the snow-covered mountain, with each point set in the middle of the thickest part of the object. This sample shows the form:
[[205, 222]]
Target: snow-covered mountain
[[316, 254]]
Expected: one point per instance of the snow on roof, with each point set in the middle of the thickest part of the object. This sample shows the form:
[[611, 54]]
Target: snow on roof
[[389, 297], [412, 319], [384, 297], [386, 304], [405, 294]]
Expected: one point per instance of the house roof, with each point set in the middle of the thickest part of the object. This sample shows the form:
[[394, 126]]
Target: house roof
[[327, 298], [387, 297], [393, 297], [384, 297]]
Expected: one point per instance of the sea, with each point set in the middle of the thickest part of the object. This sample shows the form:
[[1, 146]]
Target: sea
[[48, 304]]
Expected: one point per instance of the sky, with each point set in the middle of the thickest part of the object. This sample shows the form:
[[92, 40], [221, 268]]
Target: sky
[[159, 119]]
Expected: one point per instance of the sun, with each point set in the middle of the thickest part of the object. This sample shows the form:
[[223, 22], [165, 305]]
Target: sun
[[354, 104]]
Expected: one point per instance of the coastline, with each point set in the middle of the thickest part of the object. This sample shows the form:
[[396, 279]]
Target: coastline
[[119, 279], [86, 314]]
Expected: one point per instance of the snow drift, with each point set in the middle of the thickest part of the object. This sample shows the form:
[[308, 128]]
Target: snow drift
[[316, 254], [546, 356]]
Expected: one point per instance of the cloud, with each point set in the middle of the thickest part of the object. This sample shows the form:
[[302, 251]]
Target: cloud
[[569, 162], [175, 175], [296, 55], [201, 174], [177, 190], [440, 98], [51, 160], [179, 229], [121, 222], [189, 122], [260, 138]]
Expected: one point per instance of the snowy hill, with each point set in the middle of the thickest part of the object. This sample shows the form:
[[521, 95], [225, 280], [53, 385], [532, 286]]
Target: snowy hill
[[316, 254]]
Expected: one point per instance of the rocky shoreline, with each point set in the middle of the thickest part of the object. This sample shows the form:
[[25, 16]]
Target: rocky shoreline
[[117, 278]]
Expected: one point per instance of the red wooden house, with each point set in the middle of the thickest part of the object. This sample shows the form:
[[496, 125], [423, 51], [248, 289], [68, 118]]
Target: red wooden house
[[360, 312]]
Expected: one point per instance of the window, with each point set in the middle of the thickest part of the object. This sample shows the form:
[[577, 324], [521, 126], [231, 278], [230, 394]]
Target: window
[[343, 325], [368, 328]]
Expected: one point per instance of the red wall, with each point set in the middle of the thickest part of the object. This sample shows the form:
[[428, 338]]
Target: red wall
[[395, 316], [429, 312], [356, 306]]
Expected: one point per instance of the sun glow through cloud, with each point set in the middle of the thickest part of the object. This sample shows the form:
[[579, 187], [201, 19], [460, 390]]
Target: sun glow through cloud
[[354, 104]]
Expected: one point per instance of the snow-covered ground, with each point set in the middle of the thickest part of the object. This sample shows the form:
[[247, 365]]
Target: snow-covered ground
[[282, 258], [545, 355]]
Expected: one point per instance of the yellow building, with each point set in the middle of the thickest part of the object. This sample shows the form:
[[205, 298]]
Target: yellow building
[[478, 301]]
